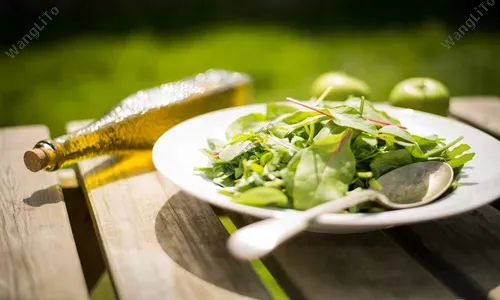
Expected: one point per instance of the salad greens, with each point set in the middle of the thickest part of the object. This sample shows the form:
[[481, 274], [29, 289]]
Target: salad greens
[[299, 155]]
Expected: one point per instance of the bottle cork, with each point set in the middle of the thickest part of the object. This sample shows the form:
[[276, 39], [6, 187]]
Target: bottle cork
[[36, 159]]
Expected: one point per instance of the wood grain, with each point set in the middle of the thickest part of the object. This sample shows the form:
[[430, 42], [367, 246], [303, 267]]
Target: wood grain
[[482, 112], [463, 251], [352, 266], [158, 242], [38, 257]]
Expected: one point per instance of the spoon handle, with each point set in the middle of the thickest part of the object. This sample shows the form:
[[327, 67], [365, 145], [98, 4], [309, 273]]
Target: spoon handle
[[343, 203], [260, 238]]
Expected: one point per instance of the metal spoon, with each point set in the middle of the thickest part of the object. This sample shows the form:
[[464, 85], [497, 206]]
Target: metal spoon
[[406, 187]]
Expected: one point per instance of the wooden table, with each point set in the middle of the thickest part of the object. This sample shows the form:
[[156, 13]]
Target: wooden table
[[159, 243]]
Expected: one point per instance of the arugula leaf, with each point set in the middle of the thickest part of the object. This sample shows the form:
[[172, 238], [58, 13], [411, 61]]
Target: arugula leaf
[[281, 143], [460, 149], [439, 150], [210, 154], [324, 172], [298, 141], [251, 122], [211, 172], [241, 137], [428, 144], [389, 161], [460, 160], [364, 146], [215, 144], [261, 196], [403, 138], [224, 180], [288, 173], [265, 158], [229, 153], [427, 141], [347, 116]]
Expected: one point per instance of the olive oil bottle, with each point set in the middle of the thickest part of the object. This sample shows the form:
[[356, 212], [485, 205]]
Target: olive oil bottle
[[139, 120]]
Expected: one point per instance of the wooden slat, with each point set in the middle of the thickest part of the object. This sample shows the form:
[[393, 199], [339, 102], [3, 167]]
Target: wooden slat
[[85, 236], [352, 266], [480, 111], [38, 257], [463, 251], [88, 247], [158, 242]]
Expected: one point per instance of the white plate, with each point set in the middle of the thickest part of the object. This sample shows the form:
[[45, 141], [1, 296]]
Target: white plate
[[177, 153]]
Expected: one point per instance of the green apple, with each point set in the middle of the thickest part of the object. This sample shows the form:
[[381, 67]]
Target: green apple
[[342, 86], [424, 94]]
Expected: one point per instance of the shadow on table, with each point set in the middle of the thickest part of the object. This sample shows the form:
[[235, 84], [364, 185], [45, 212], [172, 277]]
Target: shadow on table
[[50, 195], [192, 236]]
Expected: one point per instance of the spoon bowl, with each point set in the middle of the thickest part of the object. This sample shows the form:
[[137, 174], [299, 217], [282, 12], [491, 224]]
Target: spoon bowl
[[415, 184], [406, 187]]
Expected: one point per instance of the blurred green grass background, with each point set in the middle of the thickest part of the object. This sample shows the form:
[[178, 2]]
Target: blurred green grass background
[[82, 77]]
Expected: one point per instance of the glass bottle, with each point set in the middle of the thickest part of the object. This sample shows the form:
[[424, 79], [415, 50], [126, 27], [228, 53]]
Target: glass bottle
[[139, 120]]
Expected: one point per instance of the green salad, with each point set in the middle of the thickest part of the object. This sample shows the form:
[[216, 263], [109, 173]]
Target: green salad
[[301, 154]]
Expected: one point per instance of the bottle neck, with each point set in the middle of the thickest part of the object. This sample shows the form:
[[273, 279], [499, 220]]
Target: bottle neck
[[50, 157]]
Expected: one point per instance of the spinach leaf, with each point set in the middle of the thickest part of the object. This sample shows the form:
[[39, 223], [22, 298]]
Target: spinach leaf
[[296, 117], [304, 122], [399, 133], [328, 129], [369, 110], [347, 116], [324, 172], [251, 122], [389, 161], [287, 123], [262, 196], [275, 110]]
